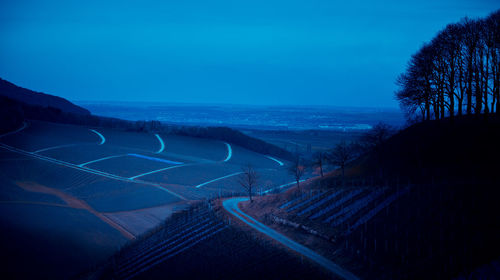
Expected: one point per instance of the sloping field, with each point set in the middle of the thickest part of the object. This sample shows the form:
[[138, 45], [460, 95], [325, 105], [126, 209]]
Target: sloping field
[[103, 184], [145, 142], [269, 179], [42, 241], [112, 196], [39, 136], [102, 193], [135, 165], [139, 221], [83, 154], [193, 175], [189, 147]]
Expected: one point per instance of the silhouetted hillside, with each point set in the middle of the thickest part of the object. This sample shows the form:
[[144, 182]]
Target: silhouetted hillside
[[444, 226], [34, 98], [11, 115], [447, 150]]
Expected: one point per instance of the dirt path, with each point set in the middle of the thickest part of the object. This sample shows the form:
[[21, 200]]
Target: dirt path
[[73, 202]]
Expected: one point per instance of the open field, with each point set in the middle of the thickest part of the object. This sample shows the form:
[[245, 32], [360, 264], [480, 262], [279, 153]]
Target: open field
[[102, 187], [306, 141]]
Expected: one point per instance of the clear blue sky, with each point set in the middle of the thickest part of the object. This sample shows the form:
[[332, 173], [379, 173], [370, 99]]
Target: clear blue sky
[[345, 53]]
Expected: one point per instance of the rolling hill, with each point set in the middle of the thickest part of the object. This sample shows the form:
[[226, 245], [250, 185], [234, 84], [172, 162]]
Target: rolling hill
[[33, 98]]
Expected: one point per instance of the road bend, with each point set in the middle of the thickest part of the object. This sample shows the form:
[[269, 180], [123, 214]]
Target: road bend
[[231, 205]]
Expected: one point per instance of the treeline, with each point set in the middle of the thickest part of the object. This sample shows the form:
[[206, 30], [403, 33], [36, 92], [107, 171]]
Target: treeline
[[457, 73], [13, 113]]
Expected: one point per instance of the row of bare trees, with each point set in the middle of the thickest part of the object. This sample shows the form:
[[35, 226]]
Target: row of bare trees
[[339, 156], [457, 73]]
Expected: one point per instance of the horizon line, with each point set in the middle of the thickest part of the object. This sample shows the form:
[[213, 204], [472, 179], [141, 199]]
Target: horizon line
[[180, 104]]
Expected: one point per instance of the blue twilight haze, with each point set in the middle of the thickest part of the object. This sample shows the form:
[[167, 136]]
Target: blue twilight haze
[[345, 53]]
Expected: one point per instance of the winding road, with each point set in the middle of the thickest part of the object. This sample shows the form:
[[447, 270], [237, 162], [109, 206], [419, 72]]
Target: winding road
[[231, 205]]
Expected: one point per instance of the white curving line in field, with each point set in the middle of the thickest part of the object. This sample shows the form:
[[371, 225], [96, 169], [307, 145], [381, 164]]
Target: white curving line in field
[[54, 147], [162, 147], [133, 155], [159, 170], [229, 152], [88, 170], [276, 160], [100, 159], [217, 179], [15, 131], [103, 140]]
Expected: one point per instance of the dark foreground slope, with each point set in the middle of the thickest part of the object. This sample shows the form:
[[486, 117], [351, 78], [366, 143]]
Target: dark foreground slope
[[446, 225]]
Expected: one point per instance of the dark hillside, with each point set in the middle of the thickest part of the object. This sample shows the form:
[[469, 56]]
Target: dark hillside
[[446, 225], [442, 150], [11, 115], [34, 98], [438, 231], [442, 222]]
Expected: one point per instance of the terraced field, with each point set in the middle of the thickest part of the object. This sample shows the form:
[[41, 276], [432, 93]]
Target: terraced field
[[341, 210], [106, 186]]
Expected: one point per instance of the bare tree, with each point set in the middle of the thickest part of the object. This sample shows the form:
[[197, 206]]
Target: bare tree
[[319, 160], [340, 155], [373, 140], [248, 179], [375, 137], [297, 169]]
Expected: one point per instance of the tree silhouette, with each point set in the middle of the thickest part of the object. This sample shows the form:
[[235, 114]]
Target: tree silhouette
[[340, 155], [297, 169], [457, 70], [248, 179], [318, 160]]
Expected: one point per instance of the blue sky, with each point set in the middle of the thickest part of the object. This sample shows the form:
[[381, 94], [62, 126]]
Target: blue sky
[[344, 53]]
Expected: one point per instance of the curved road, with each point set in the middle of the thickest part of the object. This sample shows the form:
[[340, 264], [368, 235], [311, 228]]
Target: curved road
[[231, 205]]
